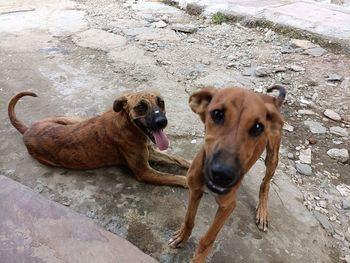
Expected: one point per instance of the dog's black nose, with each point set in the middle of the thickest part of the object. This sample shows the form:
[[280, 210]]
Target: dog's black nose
[[160, 121], [223, 175]]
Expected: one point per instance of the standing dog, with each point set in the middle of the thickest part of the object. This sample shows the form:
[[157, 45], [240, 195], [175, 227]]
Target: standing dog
[[239, 125], [117, 137]]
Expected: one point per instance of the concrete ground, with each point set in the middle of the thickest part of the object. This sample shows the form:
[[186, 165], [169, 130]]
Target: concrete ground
[[79, 56]]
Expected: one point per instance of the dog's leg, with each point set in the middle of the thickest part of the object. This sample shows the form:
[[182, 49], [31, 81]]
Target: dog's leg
[[196, 185], [271, 162], [137, 161], [206, 242], [159, 157], [152, 176], [182, 235]]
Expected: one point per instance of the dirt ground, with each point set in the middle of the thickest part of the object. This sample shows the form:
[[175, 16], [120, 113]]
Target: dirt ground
[[51, 49]]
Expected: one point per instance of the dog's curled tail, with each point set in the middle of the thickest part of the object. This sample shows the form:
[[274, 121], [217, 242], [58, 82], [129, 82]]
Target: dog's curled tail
[[20, 126], [281, 96]]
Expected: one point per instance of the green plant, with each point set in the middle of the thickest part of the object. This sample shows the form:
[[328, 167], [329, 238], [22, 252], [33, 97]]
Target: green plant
[[219, 18]]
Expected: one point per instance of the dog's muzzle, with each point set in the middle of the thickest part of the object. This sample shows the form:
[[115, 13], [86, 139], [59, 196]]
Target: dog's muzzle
[[220, 177], [153, 128], [159, 121]]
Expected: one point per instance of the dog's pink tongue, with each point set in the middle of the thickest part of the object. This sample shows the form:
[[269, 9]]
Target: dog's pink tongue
[[162, 141]]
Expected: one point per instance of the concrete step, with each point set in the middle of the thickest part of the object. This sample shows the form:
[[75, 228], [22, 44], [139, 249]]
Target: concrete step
[[327, 21], [34, 229]]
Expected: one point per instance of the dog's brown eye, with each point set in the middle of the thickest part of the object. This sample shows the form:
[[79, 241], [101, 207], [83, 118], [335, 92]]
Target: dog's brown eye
[[160, 103], [141, 107], [217, 116], [257, 129]]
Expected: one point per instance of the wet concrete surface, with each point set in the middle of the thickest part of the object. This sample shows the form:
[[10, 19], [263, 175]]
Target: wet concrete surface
[[72, 80]]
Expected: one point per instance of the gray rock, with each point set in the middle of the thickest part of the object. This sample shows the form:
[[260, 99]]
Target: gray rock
[[248, 72], [315, 127], [305, 156], [39, 188], [184, 28], [286, 80], [347, 237], [151, 47], [324, 222], [323, 204], [315, 52], [296, 68], [279, 69], [334, 77], [303, 168], [290, 156], [341, 155], [160, 24], [205, 61], [99, 39], [332, 115], [232, 65], [288, 127], [346, 203], [305, 100], [339, 131], [191, 40], [343, 189], [306, 112], [336, 236], [261, 71], [312, 83], [304, 44], [269, 36], [287, 49]]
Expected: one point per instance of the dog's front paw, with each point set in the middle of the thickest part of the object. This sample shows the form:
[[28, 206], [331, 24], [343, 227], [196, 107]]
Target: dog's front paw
[[183, 182], [262, 219], [179, 238]]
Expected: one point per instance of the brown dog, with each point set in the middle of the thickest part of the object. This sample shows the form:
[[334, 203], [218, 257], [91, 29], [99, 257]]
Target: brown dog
[[239, 125], [117, 137]]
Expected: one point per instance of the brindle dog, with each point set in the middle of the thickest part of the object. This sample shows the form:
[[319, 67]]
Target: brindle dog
[[119, 136], [239, 125]]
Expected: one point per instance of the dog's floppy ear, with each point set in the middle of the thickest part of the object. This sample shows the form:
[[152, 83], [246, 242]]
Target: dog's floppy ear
[[275, 120], [200, 100], [120, 104]]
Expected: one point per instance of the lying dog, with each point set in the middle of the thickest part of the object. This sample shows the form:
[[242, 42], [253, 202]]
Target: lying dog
[[117, 137], [239, 125]]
